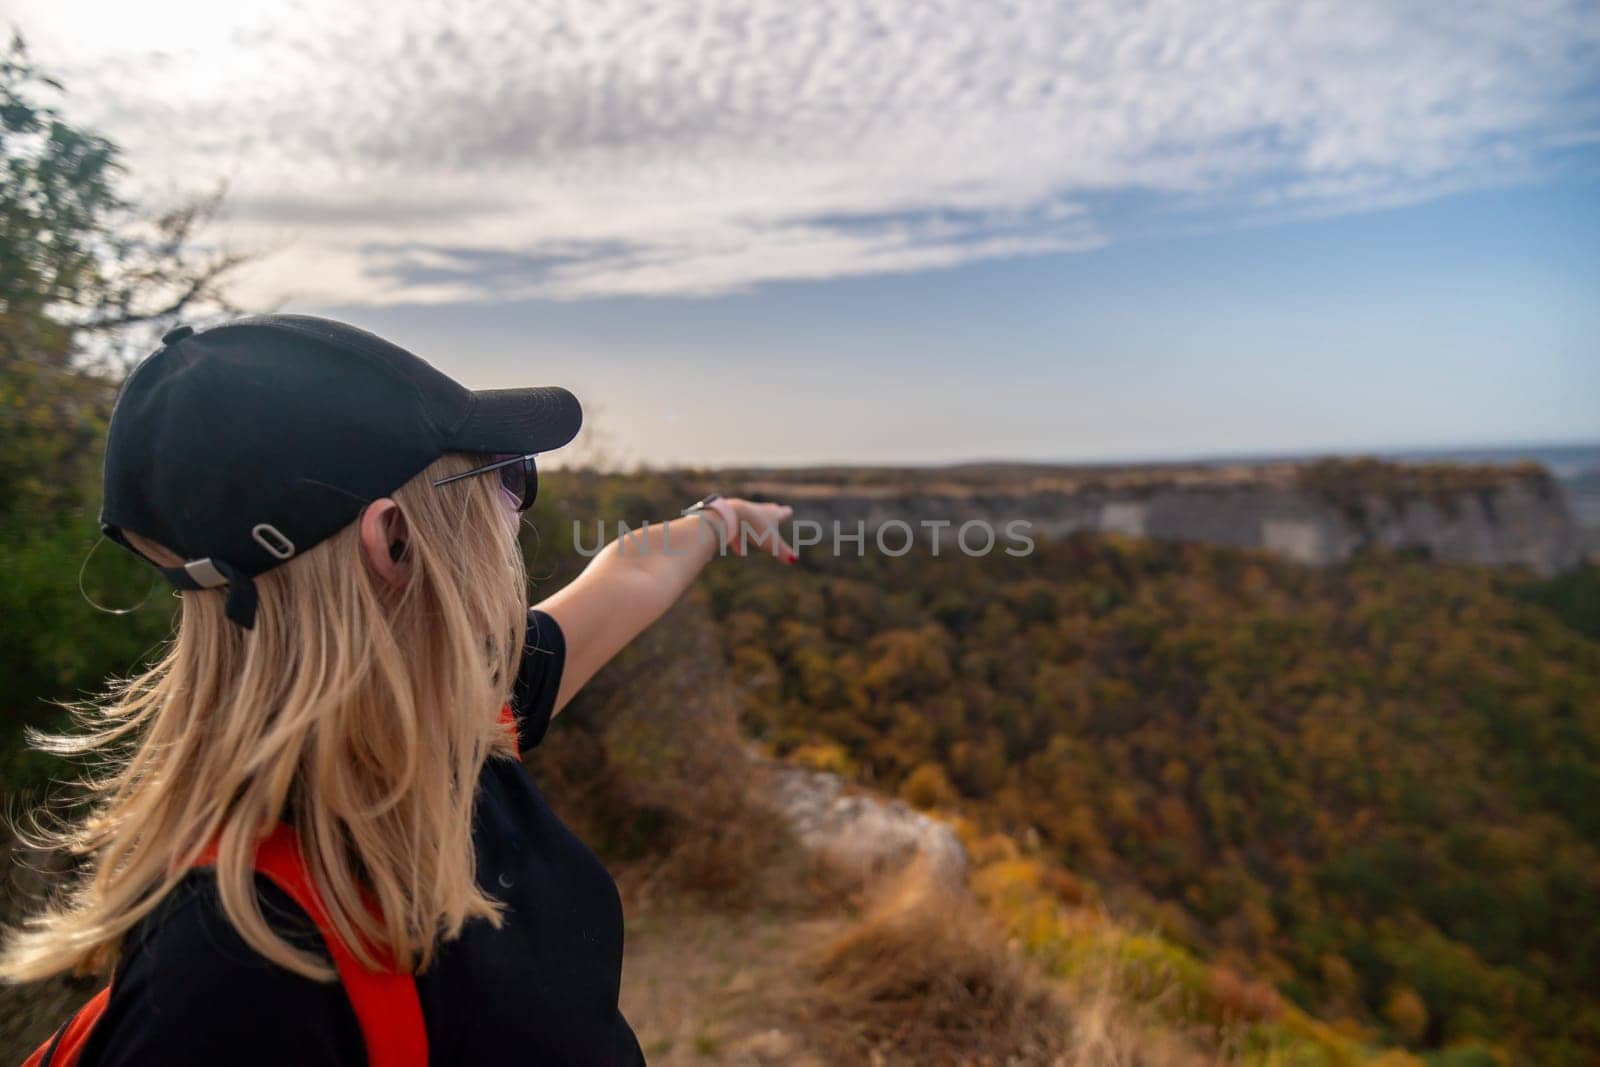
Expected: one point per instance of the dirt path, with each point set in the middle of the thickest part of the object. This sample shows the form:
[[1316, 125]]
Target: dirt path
[[704, 987]]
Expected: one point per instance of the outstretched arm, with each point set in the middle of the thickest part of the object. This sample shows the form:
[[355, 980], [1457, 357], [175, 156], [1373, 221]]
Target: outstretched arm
[[634, 580]]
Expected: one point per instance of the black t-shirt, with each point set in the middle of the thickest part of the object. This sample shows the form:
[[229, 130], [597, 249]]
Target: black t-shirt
[[542, 989]]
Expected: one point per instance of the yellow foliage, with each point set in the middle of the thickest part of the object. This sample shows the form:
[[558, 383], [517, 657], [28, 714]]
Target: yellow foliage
[[1146, 972], [927, 787], [1007, 880], [1339, 976], [825, 756], [991, 848], [1406, 1011], [1395, 1058]]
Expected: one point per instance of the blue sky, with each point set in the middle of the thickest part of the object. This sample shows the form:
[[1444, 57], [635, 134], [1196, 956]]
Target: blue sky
[[1470, 319], [751, 231]]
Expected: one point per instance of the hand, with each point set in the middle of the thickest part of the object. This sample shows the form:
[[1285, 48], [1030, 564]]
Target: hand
[[760, 525]]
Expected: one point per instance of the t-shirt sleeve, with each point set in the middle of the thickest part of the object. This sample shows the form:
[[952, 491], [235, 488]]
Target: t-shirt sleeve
[[533, 697], [194, 992]]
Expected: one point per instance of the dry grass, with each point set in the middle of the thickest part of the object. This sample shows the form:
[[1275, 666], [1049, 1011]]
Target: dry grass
[[726, 848], [717, 987], [924, 978], [651, 769], [1104, 1035]]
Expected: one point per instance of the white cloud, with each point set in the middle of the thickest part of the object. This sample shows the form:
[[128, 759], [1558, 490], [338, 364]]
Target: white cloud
[[418, 151]]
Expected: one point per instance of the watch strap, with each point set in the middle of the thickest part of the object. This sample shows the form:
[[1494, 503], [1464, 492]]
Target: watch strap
[[726, 518]]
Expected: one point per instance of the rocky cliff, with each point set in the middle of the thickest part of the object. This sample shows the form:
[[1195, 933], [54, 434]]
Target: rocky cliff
[[1315, 512], [859, 834]]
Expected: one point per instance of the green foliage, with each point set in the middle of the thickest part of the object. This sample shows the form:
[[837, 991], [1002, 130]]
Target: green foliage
[[54, 646], [83, 275], [1379, 783], [1466, 1056], [1574, 598], [55, 205]]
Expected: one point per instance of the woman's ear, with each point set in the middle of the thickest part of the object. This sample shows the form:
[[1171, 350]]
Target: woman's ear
[[383, 542]]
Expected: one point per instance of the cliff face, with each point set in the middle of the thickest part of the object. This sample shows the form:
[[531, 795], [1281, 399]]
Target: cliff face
[[1316, 513]]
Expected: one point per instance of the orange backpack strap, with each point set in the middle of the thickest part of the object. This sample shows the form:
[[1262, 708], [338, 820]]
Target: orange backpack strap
[[66, 1044], [509, 718], [385, 1002]]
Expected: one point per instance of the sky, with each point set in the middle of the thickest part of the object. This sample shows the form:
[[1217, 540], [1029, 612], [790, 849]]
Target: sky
[[906, 230]]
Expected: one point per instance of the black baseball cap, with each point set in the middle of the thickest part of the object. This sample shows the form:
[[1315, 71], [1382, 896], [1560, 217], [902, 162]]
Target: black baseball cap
[[243, 445]]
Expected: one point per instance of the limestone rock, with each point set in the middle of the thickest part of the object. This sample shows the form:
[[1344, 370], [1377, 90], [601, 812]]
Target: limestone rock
[[859, 834]]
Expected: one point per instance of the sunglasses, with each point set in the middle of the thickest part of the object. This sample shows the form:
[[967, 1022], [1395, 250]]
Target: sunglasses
[[518, 477]]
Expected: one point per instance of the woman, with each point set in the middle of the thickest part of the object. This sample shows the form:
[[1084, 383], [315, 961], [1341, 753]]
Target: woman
[[353, 673]]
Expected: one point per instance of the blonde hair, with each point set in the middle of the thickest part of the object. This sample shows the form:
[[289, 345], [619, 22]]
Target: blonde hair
[[359, 713]]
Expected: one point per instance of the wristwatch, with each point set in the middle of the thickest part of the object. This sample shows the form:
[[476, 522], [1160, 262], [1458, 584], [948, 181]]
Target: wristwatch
[[708, 505]]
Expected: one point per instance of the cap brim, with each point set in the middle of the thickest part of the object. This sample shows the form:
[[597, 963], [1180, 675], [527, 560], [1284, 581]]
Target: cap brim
[[536, 419]]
